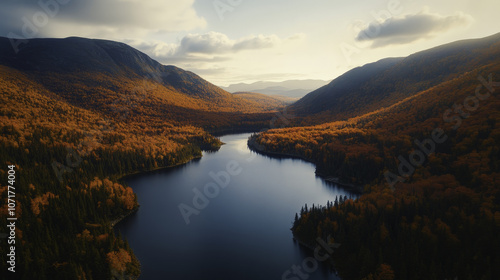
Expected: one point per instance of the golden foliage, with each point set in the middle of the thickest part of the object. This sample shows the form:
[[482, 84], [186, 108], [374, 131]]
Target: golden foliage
[[41, 201], [118, 260]]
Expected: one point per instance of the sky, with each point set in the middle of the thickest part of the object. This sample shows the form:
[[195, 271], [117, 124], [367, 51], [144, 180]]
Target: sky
[[233, 41]]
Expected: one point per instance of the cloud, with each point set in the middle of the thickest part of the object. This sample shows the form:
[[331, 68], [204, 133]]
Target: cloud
[[101, 18], [209, 47], [209, 43], [214, 42], [256, 42], [409, 28]]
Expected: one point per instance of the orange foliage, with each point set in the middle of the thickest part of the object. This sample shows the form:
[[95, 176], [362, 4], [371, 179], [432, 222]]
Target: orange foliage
[[118, 260], [42, 200]]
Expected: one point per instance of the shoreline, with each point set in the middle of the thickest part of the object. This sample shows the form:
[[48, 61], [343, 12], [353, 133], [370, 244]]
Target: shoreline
[[356, 188], [302, 243], [253, 147], [330, 261], [116, 221], [121, 218], [121, 177]]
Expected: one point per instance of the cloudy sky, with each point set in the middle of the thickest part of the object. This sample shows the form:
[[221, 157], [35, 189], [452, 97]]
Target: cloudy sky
[[231, 41]]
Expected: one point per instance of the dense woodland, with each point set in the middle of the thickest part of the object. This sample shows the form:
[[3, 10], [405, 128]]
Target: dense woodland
[[439, 222], [70, 143], [270, 102]]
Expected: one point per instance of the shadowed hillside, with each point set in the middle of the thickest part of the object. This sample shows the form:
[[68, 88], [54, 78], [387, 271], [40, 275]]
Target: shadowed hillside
[[383, 83], [89, 72], [429, 165]]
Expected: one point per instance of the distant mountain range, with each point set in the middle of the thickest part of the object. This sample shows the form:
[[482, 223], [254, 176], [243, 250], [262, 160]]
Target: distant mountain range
[[290, 88]]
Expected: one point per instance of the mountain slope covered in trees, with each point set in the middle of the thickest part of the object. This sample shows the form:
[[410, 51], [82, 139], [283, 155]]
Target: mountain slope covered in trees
[[381, 84], [271, 101], [94, 73], [78, 114], [430, 168]]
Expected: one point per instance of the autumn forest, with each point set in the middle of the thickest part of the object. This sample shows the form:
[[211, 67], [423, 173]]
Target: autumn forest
[[418, 137]]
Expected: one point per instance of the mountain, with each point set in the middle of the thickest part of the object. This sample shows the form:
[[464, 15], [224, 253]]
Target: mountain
[[427, 163], [385, 82], [270, 101], [76, 115], [289, 88], [81, 55], [106, 69]]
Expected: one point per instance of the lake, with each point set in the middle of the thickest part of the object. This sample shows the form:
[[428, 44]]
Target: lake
[[226, 216]]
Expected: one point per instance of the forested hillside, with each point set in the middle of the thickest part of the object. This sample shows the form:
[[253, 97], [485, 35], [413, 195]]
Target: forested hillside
[[270, 101], [117, 80], [430, 168], [76, 119], [382, 83]]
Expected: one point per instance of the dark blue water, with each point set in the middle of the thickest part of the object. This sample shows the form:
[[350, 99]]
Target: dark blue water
[[239, 229]]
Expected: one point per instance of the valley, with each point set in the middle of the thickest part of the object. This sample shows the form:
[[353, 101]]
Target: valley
[[418, 135]]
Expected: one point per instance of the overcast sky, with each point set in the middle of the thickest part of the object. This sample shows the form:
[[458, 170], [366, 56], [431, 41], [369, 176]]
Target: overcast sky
[[231, 41]]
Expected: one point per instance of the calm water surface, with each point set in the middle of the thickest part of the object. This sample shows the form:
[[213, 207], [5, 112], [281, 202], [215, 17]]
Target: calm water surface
[[244, 230]]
